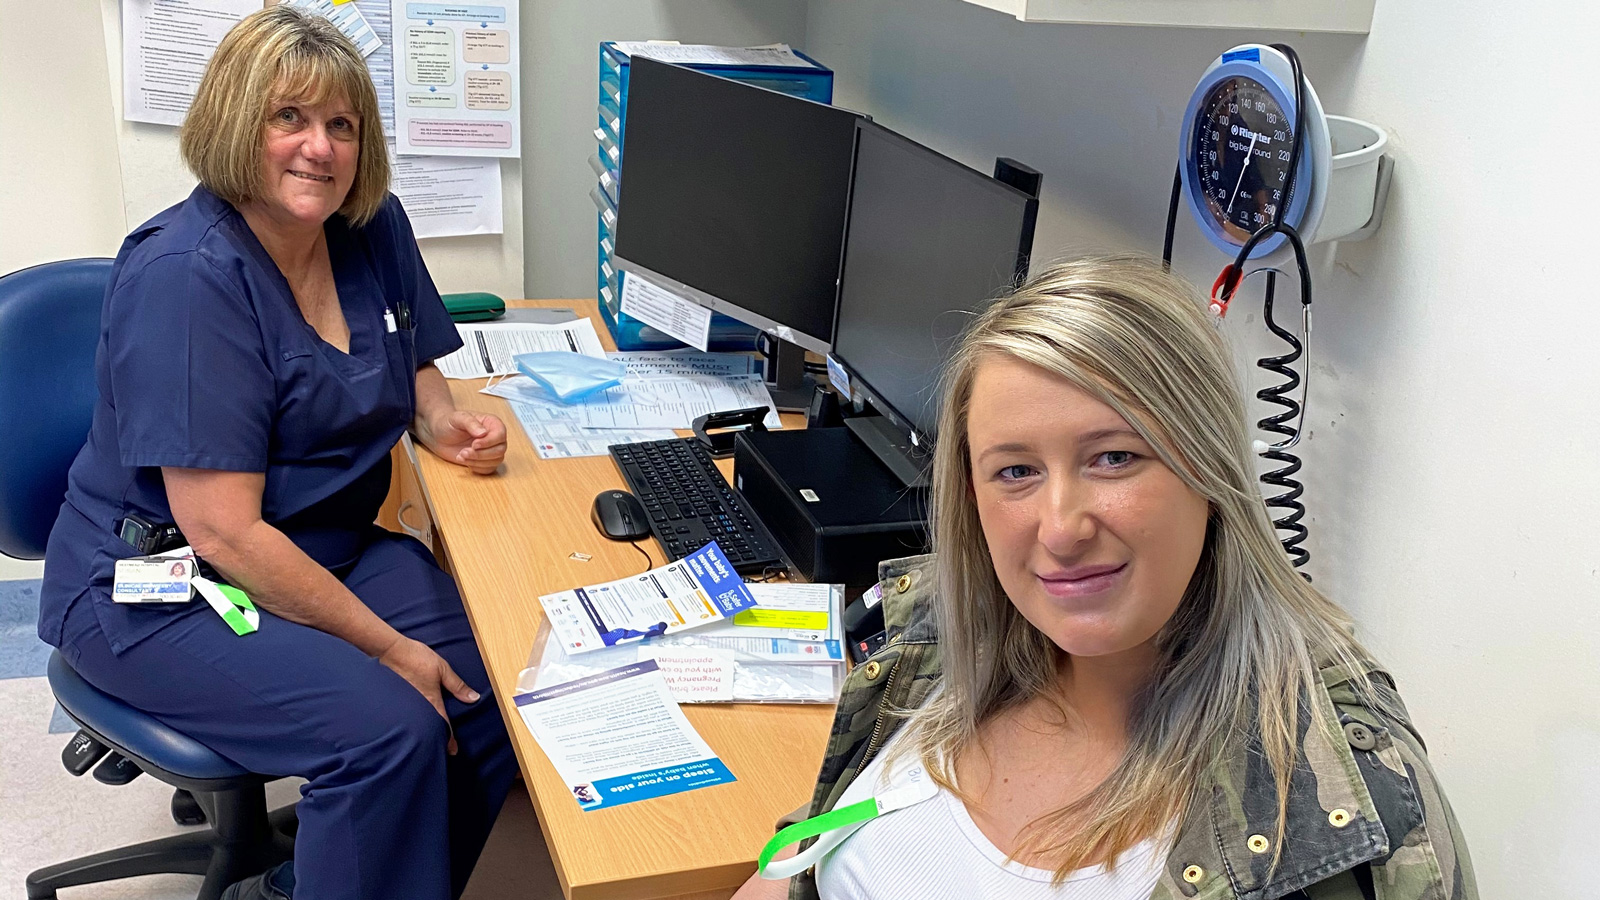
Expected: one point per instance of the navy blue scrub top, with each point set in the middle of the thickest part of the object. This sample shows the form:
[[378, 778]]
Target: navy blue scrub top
[[206, 362]]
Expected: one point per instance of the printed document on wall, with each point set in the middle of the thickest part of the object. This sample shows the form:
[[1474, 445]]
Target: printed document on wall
[[165, 47], [347, 18], [380, 62], [448, 195], [456, 79]]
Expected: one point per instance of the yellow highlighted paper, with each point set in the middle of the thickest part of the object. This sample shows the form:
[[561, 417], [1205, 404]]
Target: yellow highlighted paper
[[781, 618]]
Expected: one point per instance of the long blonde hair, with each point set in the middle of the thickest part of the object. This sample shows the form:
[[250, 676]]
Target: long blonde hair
[[1242, 651], [275, 54]]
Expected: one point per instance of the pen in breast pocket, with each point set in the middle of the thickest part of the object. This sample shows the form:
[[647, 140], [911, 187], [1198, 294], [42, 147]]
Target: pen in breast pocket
[[388, 320]]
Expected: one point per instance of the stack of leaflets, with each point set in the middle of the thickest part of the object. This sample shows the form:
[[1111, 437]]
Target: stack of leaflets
[[715, 638]]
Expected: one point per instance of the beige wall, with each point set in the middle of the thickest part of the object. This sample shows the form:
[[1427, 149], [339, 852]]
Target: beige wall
[[61, 188], [61, 191], [560, 76]]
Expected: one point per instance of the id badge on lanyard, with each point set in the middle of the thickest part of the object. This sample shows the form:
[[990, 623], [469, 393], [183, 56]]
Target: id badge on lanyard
[[907, 787], [174, 577]]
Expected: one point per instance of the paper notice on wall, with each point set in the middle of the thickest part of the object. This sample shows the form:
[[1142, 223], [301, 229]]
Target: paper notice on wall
[[448, 195], [380, 62], [347, 18], [663, 310], [165, 47], [457, 82], [705, 54]]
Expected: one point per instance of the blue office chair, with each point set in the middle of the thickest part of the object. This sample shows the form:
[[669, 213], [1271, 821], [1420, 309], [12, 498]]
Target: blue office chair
[[49, 326]]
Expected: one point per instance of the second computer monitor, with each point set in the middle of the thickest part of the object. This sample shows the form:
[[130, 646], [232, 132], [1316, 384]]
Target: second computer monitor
[[930, 242], [737, 194]]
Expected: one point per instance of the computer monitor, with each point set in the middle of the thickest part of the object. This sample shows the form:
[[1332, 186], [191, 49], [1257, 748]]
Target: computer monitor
[[735, 196], [930, 241]]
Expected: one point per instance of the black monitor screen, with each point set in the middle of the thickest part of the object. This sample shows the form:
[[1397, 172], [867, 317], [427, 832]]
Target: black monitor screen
[[737, 192], [930, 241]]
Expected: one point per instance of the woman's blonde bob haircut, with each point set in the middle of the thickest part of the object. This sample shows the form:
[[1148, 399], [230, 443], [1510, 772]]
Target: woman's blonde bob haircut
[[1241, 653], [275, 55]]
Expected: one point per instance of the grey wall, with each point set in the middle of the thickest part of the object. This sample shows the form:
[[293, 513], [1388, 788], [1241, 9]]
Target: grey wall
[[560, 46], [1451, 465]]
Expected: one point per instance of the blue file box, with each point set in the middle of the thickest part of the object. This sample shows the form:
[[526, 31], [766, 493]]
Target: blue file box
[[812, 83]]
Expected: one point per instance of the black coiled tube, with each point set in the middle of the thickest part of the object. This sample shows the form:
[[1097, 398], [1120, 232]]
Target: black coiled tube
[[1279, 394], [1283, 477]]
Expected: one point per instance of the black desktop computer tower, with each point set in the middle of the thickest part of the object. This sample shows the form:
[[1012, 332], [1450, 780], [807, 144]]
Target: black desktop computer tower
[[836, 510]]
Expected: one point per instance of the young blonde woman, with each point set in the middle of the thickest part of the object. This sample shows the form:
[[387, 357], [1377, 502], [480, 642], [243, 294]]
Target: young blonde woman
[[1109, 683]]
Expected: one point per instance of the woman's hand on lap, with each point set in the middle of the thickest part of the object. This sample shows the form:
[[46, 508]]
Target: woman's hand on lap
[[429, 674]]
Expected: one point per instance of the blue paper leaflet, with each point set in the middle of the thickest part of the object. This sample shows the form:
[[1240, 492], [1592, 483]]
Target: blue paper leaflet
[[716, 576]]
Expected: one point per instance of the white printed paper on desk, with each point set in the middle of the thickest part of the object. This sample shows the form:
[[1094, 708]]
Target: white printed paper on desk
[[694, 674], [560, 440], [698, 590], [490, 348], [790, 623], [676, 363], [617, 737], [643, 403], [768, 666], [798, 612], [677, 402], [555, 430]]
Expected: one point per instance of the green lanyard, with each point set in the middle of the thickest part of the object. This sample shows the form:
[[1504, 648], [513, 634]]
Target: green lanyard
[[230, 603], [908, 787]]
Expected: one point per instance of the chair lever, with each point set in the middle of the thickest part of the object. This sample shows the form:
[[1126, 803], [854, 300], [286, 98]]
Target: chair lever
[[117, 769], [82, 752]]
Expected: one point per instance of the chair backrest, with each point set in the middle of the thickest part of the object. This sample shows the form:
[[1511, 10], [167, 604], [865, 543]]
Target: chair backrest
[[49, 326]]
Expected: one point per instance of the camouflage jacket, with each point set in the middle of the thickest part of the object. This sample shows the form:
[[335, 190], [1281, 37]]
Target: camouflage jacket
[[1367, 820]]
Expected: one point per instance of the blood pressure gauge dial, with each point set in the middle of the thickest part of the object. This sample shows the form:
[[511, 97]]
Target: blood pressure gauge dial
[[1237, 145]]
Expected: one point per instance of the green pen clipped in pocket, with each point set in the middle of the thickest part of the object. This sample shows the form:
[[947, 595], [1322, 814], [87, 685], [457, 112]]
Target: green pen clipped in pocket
[[474, 306]]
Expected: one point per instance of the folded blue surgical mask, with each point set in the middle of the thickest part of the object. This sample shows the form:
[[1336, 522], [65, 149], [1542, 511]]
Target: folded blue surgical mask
[[569, 376]]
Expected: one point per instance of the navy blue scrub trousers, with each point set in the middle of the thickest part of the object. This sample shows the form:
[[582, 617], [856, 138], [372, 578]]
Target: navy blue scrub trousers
[[387, 813]]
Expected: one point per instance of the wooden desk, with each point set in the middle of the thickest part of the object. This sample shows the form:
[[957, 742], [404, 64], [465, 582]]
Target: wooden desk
[[509, 538]]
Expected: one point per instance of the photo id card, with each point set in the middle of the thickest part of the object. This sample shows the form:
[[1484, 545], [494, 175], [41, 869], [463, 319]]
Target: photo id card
[[153, 579]]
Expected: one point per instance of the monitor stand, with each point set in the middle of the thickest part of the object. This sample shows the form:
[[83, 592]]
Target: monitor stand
[[891, 446], [788, 382]]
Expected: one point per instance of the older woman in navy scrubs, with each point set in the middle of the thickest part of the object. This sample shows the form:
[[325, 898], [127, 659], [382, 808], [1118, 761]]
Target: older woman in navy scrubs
[[264, 344]]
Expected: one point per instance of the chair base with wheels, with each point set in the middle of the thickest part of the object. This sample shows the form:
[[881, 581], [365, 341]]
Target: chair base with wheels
[[242, 839]]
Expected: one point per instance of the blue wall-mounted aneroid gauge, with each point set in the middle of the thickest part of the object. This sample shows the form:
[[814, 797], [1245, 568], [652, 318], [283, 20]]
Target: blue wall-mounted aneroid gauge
[[1236, 146]]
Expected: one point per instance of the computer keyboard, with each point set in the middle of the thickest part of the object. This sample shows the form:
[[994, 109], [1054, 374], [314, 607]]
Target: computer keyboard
[[691, 504]]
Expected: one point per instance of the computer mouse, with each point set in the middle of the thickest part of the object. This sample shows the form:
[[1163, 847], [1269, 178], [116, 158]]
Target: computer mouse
[[620, 516]]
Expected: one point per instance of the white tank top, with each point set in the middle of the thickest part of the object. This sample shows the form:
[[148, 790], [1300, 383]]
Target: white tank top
[[934, 851]]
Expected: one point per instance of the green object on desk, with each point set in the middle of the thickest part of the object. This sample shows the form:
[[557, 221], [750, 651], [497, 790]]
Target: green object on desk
[[474, 306]]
